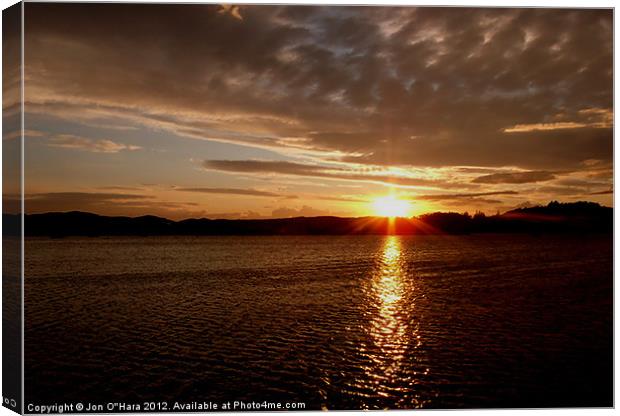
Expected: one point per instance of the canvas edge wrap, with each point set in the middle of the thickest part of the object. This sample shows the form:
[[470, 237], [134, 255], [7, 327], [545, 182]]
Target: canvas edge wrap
[[12, 211]]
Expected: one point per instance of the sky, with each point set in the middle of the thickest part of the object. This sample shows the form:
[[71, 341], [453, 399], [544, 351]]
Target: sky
[[255, 111]]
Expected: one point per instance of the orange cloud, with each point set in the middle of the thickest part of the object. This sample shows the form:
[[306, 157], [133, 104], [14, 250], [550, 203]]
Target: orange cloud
[[593, 117], [69, 141], [520, 128]]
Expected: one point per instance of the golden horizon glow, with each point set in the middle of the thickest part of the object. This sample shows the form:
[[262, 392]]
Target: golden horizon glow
[[390, 206]]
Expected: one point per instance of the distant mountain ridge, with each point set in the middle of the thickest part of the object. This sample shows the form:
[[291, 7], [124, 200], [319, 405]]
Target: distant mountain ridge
[[556, 217]]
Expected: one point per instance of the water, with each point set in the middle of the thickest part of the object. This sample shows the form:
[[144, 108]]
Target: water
[[352, 322]]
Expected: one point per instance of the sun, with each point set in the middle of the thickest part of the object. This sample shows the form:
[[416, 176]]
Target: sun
[[390, 206]]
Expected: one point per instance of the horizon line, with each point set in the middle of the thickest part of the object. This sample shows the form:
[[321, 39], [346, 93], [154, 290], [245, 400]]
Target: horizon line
[[302, 216]]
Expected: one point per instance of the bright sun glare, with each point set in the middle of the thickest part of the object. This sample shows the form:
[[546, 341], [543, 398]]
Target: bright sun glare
[[389, 206]]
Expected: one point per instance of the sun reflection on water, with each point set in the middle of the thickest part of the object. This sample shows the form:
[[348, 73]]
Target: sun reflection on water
[[388, 329], [393, 334]]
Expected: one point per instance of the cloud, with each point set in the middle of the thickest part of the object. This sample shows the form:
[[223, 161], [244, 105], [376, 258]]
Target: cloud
[[561, 190], [107, 203], [70, 201], [282, 212], [304, 211], [449, 99], [234, 191], [318, 171], [593, 117], [520, 128], [69, 141], [260, 166], [340, 199], [569, 181], [380, 86], [470, 202], [605, 192], [515, 177], [86, 196], [120, 188], [232, 10], [236, 215], [16, 134], [447, 197]]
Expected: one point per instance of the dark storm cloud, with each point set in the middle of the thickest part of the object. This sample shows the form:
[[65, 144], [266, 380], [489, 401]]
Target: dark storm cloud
[[516, 177], [530, 88]]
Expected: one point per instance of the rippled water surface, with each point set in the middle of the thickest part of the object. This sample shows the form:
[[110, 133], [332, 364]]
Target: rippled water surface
[[350, 322]]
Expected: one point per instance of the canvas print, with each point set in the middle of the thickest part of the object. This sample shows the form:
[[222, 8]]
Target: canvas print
[[306, 207]]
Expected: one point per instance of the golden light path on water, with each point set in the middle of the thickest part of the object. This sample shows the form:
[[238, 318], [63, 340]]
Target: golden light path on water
[[393, 333]]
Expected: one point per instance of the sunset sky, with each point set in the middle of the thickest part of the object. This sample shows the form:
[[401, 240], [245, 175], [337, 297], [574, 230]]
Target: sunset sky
[[276, 111]]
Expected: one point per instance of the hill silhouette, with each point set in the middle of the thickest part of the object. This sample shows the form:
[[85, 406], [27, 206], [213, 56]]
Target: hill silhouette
[[577, 217]]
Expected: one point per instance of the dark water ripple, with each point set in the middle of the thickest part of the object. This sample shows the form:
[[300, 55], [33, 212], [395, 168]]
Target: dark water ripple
[[336, 322]]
